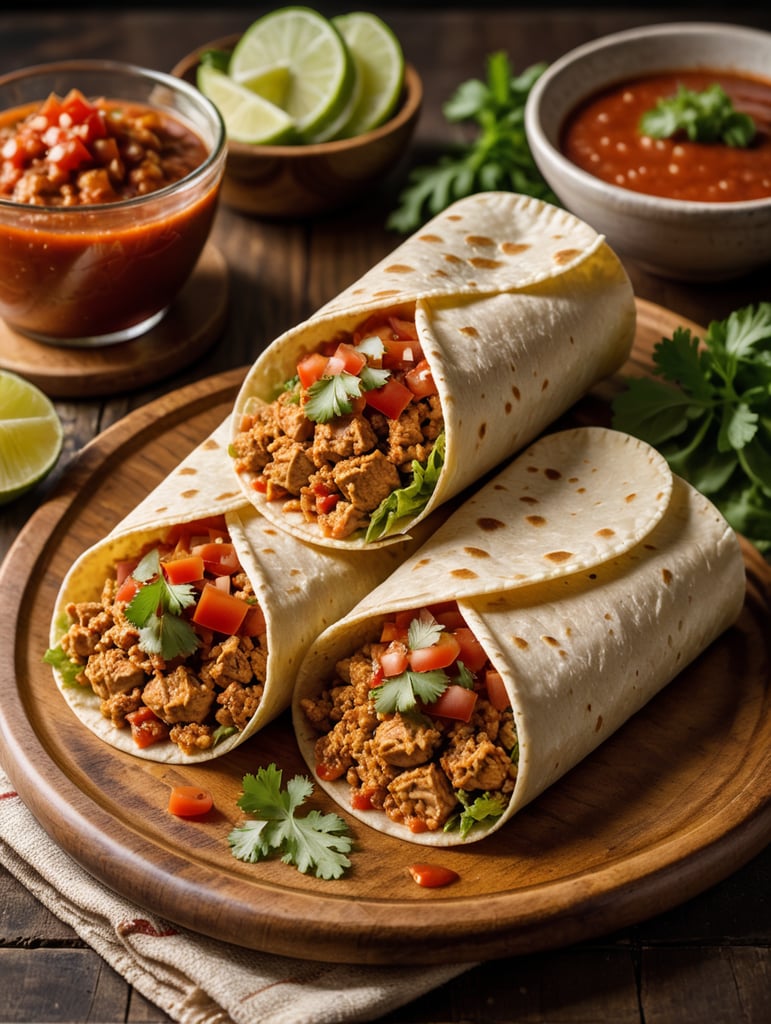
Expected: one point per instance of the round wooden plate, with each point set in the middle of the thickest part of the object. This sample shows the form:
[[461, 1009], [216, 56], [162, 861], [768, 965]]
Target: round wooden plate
[[671, 804]]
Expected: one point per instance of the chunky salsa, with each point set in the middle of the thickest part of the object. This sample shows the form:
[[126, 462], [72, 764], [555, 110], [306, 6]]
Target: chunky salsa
[[419, 724], [603, 137], [71, 151], [343, 436], [193, 679]]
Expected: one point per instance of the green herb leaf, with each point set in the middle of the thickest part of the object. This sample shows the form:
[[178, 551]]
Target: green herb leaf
[[331, 396], [408, 501], [373, 378], [316, 842], [69, 670], [156, 611], [498, 157], [708, 116], [486, 807], [423, 631], [402, 692]]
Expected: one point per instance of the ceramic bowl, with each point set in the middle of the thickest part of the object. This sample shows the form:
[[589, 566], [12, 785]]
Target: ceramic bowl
[[104, 271], [681, 239], [288, 182]]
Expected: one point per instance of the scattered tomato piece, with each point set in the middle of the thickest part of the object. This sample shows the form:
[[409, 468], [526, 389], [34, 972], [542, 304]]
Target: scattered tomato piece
[[219, 611], [433, 876], [189, 801]]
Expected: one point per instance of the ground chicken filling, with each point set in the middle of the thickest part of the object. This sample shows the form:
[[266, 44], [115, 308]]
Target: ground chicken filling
[[192, 680], [343, 437], [419, 724]]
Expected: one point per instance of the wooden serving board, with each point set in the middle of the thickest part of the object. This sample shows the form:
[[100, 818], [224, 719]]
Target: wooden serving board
[[671, 804]]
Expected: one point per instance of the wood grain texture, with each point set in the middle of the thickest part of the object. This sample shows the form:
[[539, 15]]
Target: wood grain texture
[[631, 831]]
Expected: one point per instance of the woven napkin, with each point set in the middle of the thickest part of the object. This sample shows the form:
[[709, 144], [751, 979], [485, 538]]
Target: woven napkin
[[194, 979]]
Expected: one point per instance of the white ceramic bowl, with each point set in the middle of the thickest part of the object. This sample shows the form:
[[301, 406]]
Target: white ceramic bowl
[[675, 238]]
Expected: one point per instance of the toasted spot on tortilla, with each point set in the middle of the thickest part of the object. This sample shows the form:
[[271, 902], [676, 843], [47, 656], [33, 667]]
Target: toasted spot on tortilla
[[439, 273], [566, 255], [429, 238], [580, 490], [471, 331], [519, 641], [187, 471], [399, 268], [630, 497], [598, 726], [190, 494], [482, 430], [514, 248], [227, 495], [479, 240], [209, 445], [385, 293], [482, 263], [507, 408], [606, 531], [529, 499], [558, 556], [535, 520], [545, 384], [552, 474], [488, 524], [464, 574], [666, 575], [454, 216], [477, 552], [550, 641], [452, 258]]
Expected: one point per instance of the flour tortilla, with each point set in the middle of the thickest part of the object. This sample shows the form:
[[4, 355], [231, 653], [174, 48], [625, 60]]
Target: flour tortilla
[[590, 574], [520, 309], [302, 590]]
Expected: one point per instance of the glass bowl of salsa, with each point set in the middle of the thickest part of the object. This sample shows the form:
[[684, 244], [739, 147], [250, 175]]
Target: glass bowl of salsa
[[109, 181], [689, 204]]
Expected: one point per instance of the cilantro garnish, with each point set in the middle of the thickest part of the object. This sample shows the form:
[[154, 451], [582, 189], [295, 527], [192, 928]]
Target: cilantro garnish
[[708, 410], [315, 842], [410, 500], [373, 378], [499, 158], [331, 396], [402, 692], [156, 610], [486, 807], [423, 631], [706, 116]]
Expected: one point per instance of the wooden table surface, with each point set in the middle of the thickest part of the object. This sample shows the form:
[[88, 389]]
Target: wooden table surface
[[707, 960]]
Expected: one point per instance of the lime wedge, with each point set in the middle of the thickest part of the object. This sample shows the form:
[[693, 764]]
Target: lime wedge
[[380, 63], [248, 116], [322, 71], [30, 436], [271, 83]]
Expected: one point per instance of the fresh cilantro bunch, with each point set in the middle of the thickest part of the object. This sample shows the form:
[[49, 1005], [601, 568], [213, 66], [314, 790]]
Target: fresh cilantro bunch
[[316, 842], [499, 157], [706, 116], [156, 610], [708, 411]]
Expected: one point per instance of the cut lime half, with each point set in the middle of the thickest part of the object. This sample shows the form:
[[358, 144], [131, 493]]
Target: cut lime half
[[380, 63], [248, 117], [30, 436], [322, 71]]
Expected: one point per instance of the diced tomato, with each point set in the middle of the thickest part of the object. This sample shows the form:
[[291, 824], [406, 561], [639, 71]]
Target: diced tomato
[[218, 611], [496, 691], [392, 399], [420, 380], [219, 558], [68, 154], [416, 825], [439, 655], [325, 499], [146, 727], [76, 106], [189, 801], [311, 368], [254, 621], [184, 570], [449, 617], [433, 876], [400, 355], [346, 359], [260, 484], [124, 568], [328, 773], [403, 619], [196, 527], [127, 590], [393, 631], [404, 329], [377, 676], [472, 653], [394, 661], [457, 702], [94, 126], [361, 799]]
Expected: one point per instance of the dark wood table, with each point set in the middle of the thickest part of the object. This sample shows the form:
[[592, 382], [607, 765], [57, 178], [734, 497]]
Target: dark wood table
[[707, 960]]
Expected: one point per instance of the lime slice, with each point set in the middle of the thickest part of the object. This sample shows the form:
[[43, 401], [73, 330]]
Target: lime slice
[[322, 71], [380, 62], [30, 436], [248, 116], [271, 83]]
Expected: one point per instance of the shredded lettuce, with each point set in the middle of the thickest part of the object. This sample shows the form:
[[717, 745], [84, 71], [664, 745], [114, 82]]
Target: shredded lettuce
[[409, 501]]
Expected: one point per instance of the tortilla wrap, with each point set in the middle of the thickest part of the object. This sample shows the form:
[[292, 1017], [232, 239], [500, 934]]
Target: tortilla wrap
[[590, 574], [519, 307], [301, 590]]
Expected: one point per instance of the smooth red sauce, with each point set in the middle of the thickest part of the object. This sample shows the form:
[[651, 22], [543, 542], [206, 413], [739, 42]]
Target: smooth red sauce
[[73, 273], [602, 137]]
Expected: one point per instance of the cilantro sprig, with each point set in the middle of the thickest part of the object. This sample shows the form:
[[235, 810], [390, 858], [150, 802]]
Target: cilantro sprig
[[708, 410], [156, 610], [706, 116], [315, 842], [403, 692], [497, 158]]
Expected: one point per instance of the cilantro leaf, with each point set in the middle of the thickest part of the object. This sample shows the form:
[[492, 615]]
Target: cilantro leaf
[[156, 610], [708, 116], [331, 396], [316, 842], [372, 378], [409, 500], [497, 158], [708, 410], [423, 631], [402, 692], [486, 807]]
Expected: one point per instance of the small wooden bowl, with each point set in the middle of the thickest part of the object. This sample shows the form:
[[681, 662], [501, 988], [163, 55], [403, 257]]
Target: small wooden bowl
[[287, 182]]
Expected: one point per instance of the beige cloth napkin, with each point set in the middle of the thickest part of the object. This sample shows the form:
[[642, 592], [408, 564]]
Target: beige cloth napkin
[[194, 979]]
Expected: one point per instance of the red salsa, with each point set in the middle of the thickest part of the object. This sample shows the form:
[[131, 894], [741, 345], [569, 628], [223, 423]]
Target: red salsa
[[602, 136]]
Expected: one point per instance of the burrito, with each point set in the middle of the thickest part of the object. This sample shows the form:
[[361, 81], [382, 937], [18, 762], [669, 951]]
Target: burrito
[[178, 636], [441, 362], [540, 617]]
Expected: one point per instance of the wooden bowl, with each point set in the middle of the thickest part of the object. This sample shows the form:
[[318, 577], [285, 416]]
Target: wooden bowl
[[287, 182]]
